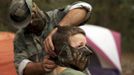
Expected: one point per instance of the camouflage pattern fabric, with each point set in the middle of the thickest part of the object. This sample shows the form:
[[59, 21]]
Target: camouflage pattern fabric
[[29, 45]]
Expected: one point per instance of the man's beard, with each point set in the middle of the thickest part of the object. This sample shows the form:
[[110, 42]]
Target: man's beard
[[36, 26]]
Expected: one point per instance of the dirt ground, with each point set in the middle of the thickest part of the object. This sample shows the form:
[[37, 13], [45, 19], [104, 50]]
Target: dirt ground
[[127, 62]]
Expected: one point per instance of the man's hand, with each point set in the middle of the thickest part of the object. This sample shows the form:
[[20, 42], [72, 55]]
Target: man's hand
[[40, 68], [48, 44], [48, 65]]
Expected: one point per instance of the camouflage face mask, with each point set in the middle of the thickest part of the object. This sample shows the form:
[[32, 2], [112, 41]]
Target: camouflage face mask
[[73, 57]]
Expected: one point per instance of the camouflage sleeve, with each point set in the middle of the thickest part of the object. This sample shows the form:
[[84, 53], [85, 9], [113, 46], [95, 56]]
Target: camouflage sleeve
[[19, 49], [56, 15]]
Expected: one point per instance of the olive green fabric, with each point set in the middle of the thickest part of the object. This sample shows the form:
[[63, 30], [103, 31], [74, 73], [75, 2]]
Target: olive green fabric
[[68, 71]]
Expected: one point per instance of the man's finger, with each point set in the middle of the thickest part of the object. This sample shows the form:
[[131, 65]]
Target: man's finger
[[48, 61], [47, 68], [51, 46], [48, 43], [50, 66], [45, 47], [53, 31]]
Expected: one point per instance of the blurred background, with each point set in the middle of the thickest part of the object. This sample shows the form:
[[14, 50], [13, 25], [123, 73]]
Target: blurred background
[[117, 15]]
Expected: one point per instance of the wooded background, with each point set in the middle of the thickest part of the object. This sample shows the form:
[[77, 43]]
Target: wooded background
[[117, 15]]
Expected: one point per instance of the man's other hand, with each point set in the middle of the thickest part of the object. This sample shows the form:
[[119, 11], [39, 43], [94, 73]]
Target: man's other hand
[[48, 44], [48, 65]]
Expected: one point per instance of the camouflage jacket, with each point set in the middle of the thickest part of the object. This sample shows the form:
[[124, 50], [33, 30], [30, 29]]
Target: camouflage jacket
[[30, 46]]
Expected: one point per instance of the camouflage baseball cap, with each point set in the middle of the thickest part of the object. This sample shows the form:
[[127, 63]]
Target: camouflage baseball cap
[[20, 13]]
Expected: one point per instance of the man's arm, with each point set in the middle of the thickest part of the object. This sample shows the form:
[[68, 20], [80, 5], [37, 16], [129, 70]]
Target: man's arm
[[74, 17], [77, 13], [39, 68], [20, 52], [33, 69], [27, 67], [24, 66]]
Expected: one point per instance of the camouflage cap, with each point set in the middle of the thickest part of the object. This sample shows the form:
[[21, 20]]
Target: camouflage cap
[[20, 13]]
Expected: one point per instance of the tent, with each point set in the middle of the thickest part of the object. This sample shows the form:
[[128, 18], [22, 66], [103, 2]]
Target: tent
[[7, 66], [106, 44]]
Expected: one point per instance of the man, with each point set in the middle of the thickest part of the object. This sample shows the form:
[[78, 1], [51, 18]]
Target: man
[[34, 28], [72, 54]]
